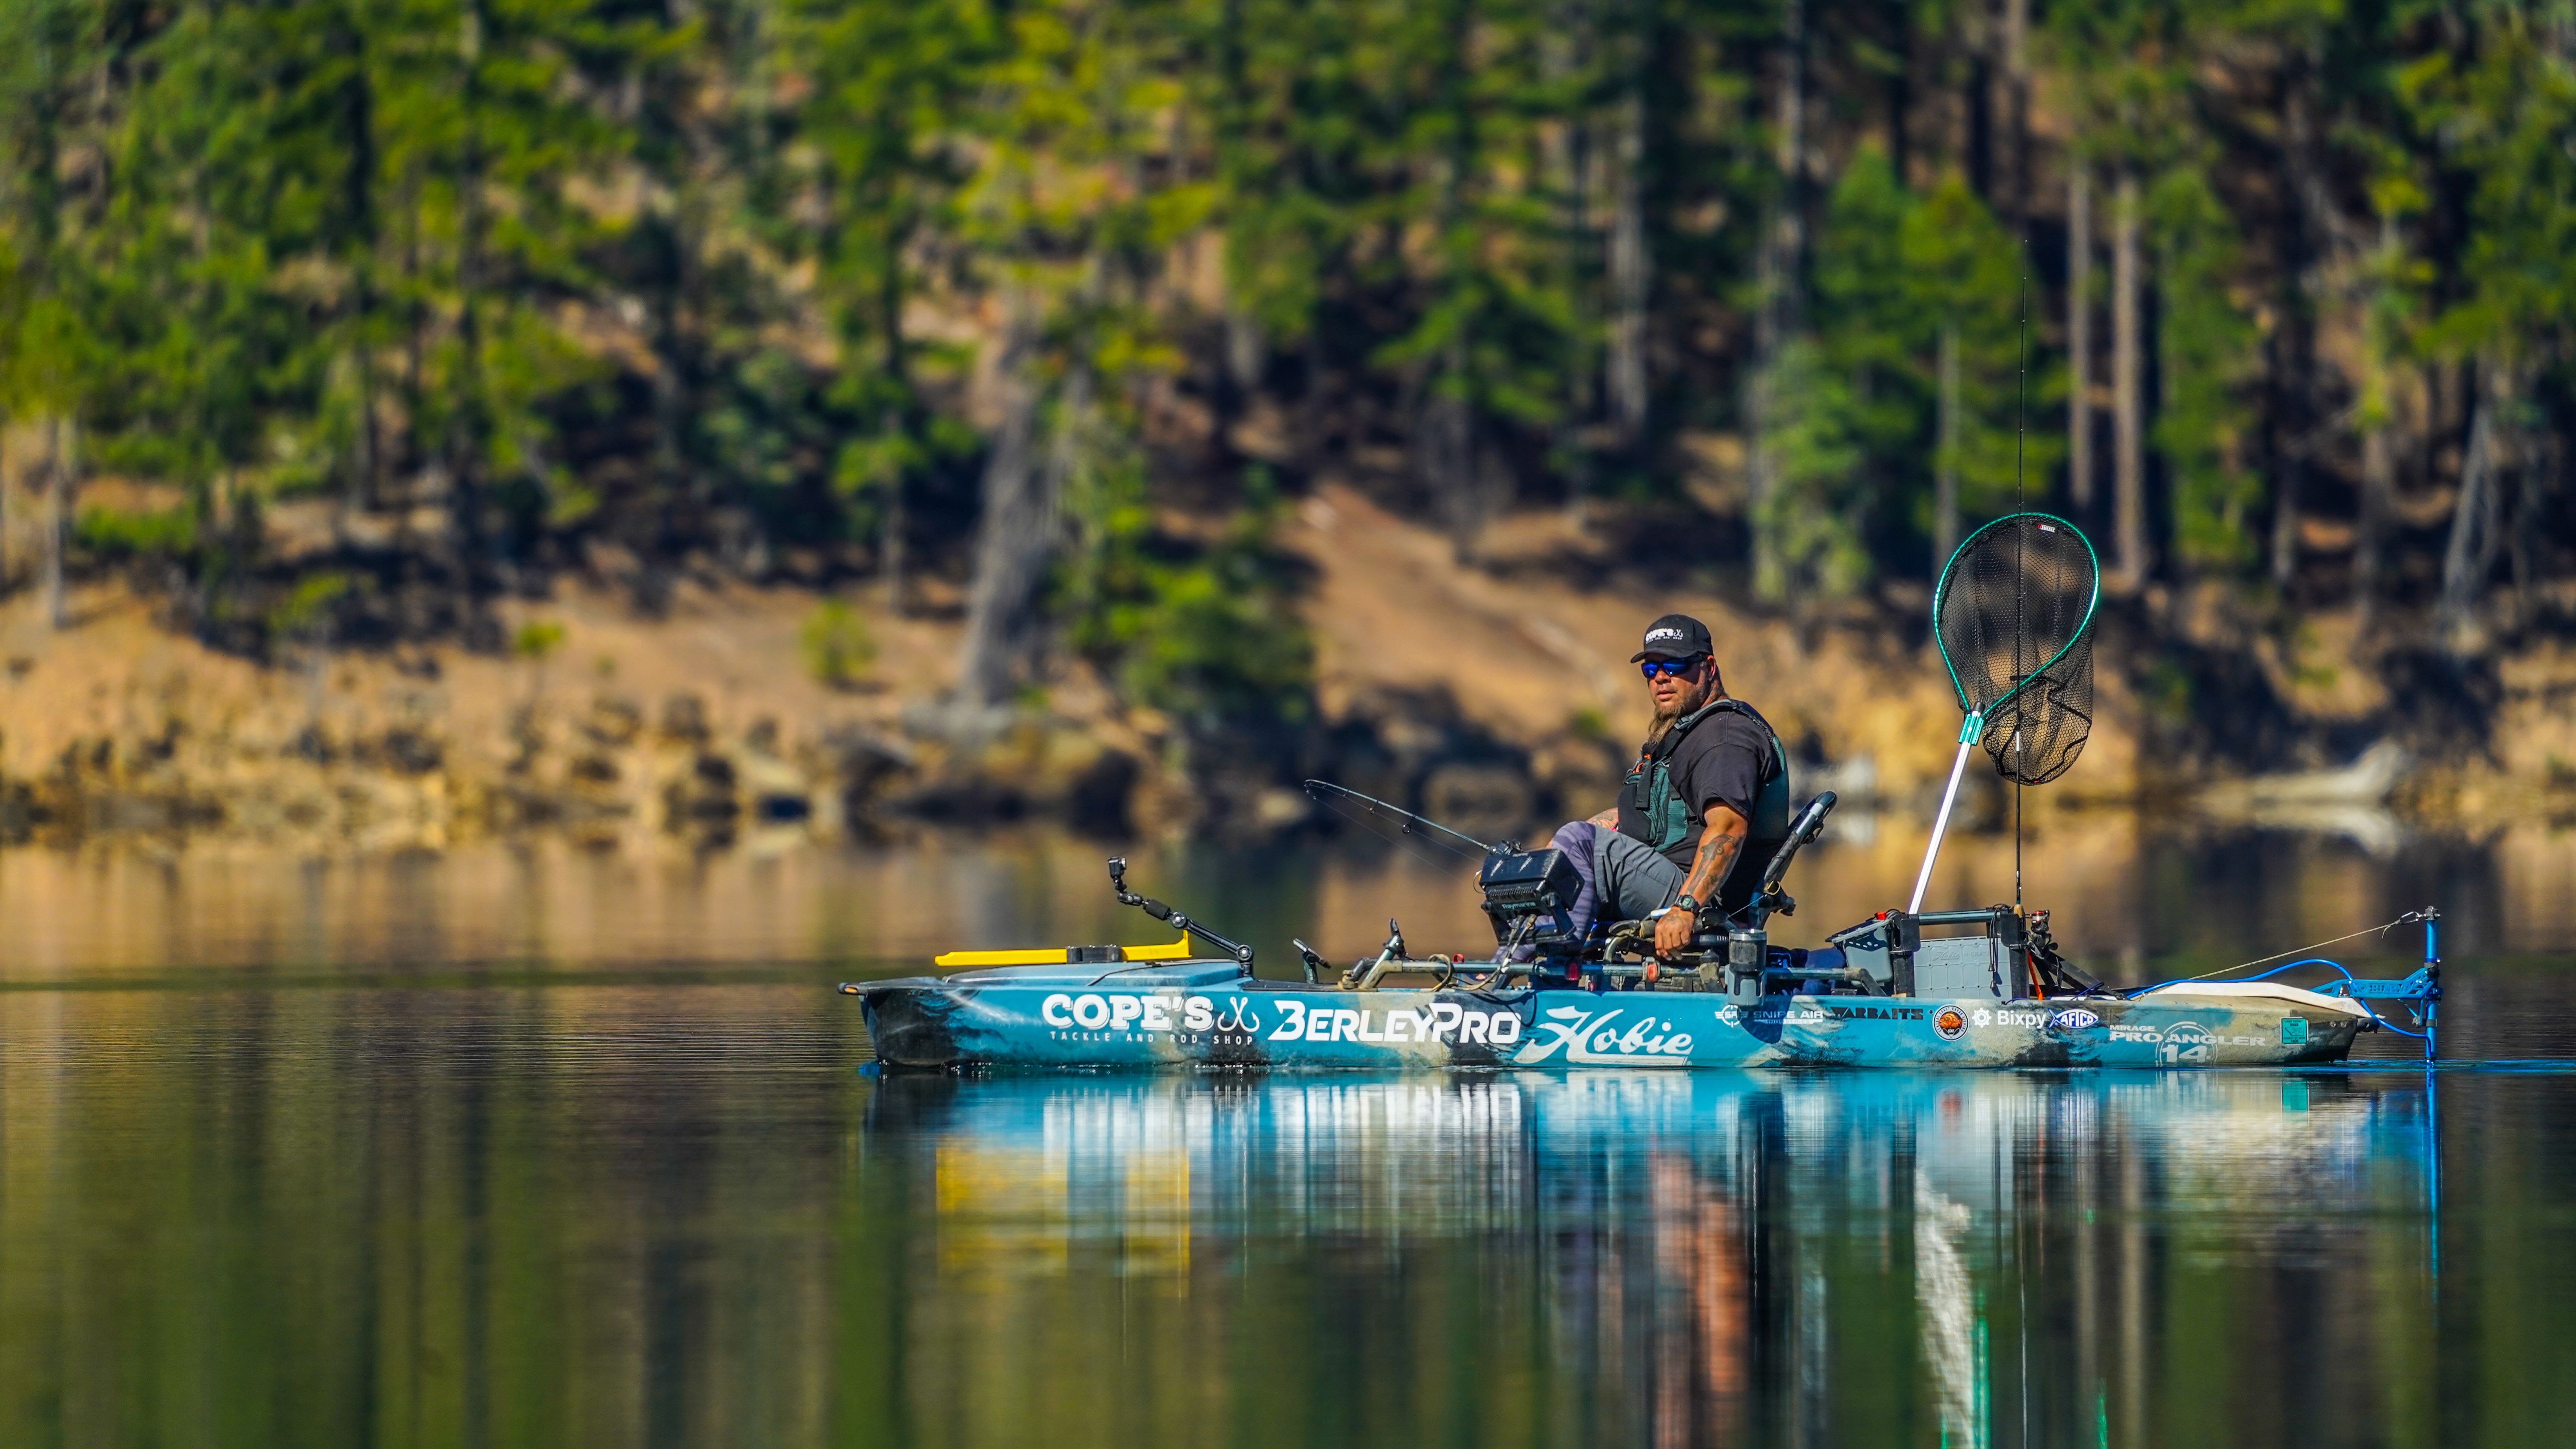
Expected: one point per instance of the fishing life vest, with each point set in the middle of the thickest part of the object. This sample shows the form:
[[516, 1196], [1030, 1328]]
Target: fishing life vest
[[1653, 811]]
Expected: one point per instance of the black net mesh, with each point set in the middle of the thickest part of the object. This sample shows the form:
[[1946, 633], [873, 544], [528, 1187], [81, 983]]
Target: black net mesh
[[2014, 621]]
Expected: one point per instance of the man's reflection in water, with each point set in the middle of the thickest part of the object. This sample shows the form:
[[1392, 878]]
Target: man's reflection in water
[[1699, 1263], [1650, 1299]]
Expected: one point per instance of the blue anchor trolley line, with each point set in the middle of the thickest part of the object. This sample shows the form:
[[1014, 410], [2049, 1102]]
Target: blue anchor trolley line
[[2421, 991]]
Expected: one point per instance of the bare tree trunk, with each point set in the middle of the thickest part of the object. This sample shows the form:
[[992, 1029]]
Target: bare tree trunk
[[2289, 467], [890, 531], [414, 380], [1775, 318], [2128, 405], [1631, 274], [1761, 468], [1451, 460], [2529, 481], [1245, 350], [1017, 534], [1977, 37], [2079, 333], [670, 387], [1567, 157], [1245, 347], [898, 363], [2378, 495], [8, 491], [1900, 104], [2017, 102], [1072, 437], [2311, 236], [2377, 413], [466, 440], [1449, 444], [2470, 552], [363, 240], [58, 487], [1945, 473], [366, 443]]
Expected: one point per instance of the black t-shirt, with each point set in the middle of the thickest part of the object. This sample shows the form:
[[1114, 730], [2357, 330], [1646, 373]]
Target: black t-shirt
[[1726, 759]]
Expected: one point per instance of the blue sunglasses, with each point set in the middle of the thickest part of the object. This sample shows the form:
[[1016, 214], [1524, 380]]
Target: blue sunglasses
[[1652, 667]]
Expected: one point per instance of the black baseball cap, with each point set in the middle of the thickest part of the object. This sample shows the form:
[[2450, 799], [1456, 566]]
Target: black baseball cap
[[1675, 636]]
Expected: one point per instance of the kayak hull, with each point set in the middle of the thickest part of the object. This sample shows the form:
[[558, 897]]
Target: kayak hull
[[1204, 1014]]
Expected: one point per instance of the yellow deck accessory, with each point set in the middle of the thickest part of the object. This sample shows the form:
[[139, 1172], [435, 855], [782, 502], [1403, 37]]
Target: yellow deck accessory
[[1054, 955]]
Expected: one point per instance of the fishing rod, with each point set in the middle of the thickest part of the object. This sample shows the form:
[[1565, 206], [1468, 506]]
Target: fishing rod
[[1373, 815]]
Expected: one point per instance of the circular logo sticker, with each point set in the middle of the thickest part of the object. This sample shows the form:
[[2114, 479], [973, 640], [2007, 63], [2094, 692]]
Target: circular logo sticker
[[1949, 1023]]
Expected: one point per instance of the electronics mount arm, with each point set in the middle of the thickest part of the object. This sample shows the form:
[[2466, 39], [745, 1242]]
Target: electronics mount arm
[[1241, 955]]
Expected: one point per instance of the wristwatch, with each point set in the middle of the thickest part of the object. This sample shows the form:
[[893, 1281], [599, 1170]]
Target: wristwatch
[[1687, 904]]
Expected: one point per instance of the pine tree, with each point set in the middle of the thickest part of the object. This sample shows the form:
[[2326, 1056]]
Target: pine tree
[[886, 121], [2507, 112], [48, 51], [562, 270], [2207, 350], [488, 134]]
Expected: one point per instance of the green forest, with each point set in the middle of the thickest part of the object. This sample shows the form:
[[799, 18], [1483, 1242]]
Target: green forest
[[861, 293]]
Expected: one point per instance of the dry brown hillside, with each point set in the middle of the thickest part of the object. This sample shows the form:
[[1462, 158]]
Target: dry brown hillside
[[1502, 688]]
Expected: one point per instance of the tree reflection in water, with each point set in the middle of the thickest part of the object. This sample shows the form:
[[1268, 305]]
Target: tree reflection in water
[[1666, 1258], [510, 1210]]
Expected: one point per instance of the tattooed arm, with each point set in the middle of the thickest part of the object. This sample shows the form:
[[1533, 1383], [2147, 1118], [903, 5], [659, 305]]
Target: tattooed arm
[[1719, 845]]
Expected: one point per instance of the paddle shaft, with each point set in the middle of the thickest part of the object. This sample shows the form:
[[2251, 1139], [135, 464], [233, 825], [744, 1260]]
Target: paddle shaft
[[1940, 823]]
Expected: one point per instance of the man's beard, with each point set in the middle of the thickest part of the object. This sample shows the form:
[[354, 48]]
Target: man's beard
[[1691, 698]]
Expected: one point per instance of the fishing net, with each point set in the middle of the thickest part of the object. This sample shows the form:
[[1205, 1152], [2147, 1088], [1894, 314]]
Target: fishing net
[[2014, 619]]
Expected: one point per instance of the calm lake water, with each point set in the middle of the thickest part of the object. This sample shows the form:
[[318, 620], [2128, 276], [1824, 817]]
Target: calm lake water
[[534, 1146]]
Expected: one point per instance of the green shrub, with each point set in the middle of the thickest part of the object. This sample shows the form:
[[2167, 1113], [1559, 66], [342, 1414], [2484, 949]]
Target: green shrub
[[308, 609], [837, 645], [116, 533], [1209, 634], [537, 640], [1209, 643]]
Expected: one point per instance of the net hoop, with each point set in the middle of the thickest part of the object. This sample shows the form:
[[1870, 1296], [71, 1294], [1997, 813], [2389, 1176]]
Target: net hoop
[[1941, 594]]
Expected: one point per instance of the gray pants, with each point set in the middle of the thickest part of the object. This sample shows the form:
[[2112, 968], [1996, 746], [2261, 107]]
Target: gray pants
[[1623, 877]]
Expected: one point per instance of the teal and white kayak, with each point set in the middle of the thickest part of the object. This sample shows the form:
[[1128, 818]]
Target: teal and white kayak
[[1967, 988], [1208, 1013]]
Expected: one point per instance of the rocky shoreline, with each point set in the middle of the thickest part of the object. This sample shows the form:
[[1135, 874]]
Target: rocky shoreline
[[616, 766], [1478, 695]]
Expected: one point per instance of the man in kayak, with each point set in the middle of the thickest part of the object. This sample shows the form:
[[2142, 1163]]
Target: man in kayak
[[1702, 809]]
